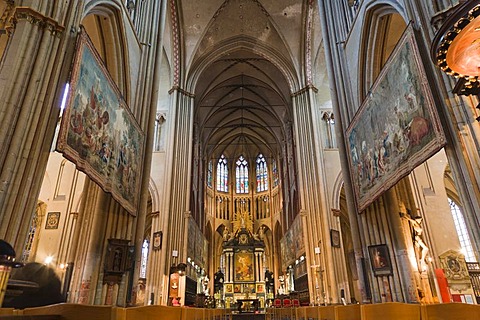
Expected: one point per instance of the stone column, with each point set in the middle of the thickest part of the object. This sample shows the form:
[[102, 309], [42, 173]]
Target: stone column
[[32, 74], [151, 65], [311, 186], [407, 276], [177, 195], [232, 268]]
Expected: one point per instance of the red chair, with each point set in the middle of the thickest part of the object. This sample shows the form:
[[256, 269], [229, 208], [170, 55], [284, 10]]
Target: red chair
[[277, 303], [287, 303], [296, 303]]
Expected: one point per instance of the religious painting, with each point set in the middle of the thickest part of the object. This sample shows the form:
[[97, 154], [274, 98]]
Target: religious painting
[[335, 238], [229, 288], [249, 288], [98, 132], [260, 288], [297, 235], [396, 128], [380, 260], [237, 288], [53, 219], [157, 240], [244, 266]]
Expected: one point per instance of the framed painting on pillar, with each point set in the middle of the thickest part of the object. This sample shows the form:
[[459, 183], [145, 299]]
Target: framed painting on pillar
[[380, 260], [335, 238], [157, 240]]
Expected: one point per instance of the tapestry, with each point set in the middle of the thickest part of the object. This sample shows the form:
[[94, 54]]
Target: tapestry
[[396, 127], [197, 244], [98, 132], [292, 244]]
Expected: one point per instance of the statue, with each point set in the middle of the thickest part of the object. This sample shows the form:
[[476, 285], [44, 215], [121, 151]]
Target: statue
[[226, 234], [281, 289], [269, 280], [261, 233], [417, 232], [218, 280], [205, 282]]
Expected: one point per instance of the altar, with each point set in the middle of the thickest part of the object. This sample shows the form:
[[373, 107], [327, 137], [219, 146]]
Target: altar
[[243, 250], [247, 305]]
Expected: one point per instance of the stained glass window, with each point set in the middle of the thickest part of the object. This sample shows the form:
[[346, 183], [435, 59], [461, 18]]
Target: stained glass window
[[241, 175], [275, 174], [209, 173], [222, 174], [262, 174]]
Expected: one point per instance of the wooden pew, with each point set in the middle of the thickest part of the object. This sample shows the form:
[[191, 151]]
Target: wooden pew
[[6, 311], [326, 312], [447, 311], [153, 313], [192, 313], [71, 311], [349, 312], [311, 313], [391, 311]]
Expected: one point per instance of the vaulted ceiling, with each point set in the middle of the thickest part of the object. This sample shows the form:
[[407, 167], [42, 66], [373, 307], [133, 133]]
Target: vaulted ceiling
[[244, 58]]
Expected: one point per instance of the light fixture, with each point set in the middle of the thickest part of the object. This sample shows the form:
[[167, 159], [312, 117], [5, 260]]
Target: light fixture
[[48, 260], [455, 48]]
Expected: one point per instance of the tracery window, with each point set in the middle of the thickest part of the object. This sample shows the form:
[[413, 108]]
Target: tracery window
[[222, 174], [275, 175], [262, 174], [328, 128], [144, 259], [209, 173], [462, 232], [158, 144], [241, 175]]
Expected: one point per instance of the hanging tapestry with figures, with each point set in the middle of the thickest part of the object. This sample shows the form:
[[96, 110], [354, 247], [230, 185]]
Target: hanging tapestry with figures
[[98, 132], [396, 128]]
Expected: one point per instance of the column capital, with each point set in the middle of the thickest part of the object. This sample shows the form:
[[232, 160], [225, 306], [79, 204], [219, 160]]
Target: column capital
[[304, 89], [182, 91], [36, 18]]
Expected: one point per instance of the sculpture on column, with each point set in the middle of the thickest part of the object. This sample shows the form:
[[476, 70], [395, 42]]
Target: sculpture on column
[[205, 282], [281, 289], [226, 234], [417, 234], [218, 280], [268, 280]]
